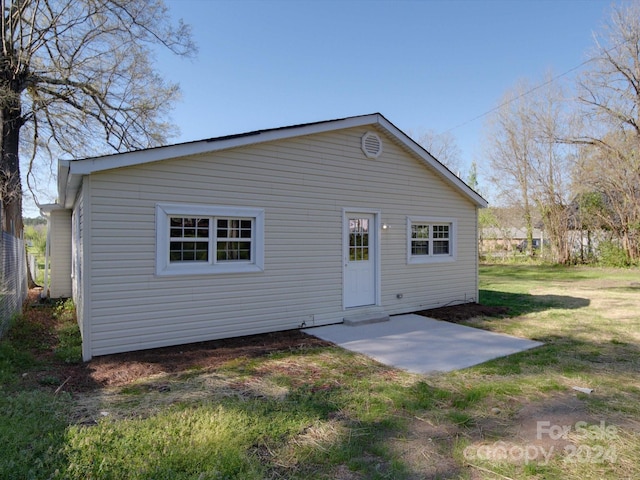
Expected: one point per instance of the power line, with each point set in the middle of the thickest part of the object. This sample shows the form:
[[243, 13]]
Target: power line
[[524, 94], [537, 87]]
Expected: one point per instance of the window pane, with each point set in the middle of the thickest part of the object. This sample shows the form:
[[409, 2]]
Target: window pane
[[441, 247], [233, 251], [202, 228], [229, 231], [235, 228], [441, 231], [188, 251], [233, 231], [222, 253], [419, 231], [358, 239], [189, 227], [222, 231], [183, 232], [419, 248], [245, 232]]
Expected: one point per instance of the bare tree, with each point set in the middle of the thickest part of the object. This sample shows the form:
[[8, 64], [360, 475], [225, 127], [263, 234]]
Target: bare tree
[[77, 77], [529, 165], [551, 166], [608, 184], [510, 150], [443, 147], [610, 98]]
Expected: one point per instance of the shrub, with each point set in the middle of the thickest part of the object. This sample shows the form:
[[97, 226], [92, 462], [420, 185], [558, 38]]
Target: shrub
[[611, 254]]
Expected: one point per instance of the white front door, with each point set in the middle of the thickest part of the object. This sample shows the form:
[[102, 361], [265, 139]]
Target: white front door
[[360, 252]]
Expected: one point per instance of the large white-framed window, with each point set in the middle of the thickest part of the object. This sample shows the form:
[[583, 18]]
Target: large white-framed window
[[208, 239], [431, 239]]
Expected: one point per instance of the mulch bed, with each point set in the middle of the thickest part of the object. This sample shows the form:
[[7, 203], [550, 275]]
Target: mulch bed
[[121, 369]]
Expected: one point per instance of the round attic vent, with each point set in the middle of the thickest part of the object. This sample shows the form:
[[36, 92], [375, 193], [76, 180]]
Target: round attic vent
[[371, 145]]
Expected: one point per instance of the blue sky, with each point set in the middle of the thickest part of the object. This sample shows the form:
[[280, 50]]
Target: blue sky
[[424, 64]]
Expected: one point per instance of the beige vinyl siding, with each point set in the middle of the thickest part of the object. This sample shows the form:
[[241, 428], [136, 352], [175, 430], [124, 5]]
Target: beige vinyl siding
[[60, 254], [303, 185]]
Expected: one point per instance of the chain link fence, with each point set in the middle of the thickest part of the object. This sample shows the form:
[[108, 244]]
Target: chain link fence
[[13, 278]]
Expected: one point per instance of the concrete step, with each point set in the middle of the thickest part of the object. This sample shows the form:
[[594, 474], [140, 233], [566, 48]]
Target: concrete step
[[365, 318]]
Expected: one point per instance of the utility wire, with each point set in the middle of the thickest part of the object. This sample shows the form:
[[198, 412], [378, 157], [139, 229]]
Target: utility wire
[[533, 89], [524, 94]]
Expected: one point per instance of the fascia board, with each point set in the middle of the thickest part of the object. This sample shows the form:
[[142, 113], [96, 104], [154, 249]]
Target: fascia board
[[63, 177], [98, 164], [68, 184], [432, 162], [47, 208]]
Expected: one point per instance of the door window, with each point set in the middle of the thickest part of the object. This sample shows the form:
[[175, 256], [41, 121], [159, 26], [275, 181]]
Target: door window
[[358, 239]]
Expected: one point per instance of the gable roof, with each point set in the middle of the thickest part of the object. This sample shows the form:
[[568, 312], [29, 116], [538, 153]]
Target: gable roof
[[71, 172]]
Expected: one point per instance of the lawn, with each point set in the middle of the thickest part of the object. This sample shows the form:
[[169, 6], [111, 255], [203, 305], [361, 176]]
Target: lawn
[[319, 412]]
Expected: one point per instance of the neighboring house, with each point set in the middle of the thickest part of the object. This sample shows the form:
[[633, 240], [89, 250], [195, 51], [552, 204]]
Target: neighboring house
[[509, 239], [265, 231]]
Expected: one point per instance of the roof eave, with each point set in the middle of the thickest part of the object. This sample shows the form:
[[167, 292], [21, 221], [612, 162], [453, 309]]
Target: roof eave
[[68, 184], [47, 208], [119, 160]]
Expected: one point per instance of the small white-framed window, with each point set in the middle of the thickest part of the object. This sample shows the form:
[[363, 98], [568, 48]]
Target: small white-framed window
[[431, 240], [207, 239]]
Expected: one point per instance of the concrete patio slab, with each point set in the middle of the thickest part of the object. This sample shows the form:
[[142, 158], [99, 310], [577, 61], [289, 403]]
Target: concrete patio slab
[[423, 345]]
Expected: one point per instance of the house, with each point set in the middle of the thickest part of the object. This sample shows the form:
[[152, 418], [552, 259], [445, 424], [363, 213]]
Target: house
[[265, 231], [499, 240]]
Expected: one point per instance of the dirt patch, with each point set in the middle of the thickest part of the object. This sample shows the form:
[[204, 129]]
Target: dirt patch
[[425, 449], [535, 432], [551, 423], [539, 431]]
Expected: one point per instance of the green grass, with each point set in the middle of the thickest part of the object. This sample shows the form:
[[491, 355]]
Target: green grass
[[16, 349], [33, 428], [323, 413], [210, 440], [69, 347]]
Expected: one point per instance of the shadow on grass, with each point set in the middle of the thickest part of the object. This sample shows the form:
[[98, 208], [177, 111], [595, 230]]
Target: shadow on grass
[[524, 303]]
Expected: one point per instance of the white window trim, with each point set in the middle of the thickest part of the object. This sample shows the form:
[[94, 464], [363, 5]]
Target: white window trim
[[164, 268], [431, 258]]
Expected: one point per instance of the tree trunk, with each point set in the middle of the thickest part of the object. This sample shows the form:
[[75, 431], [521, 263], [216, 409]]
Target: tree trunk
[[10, 182], [528, 225]]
